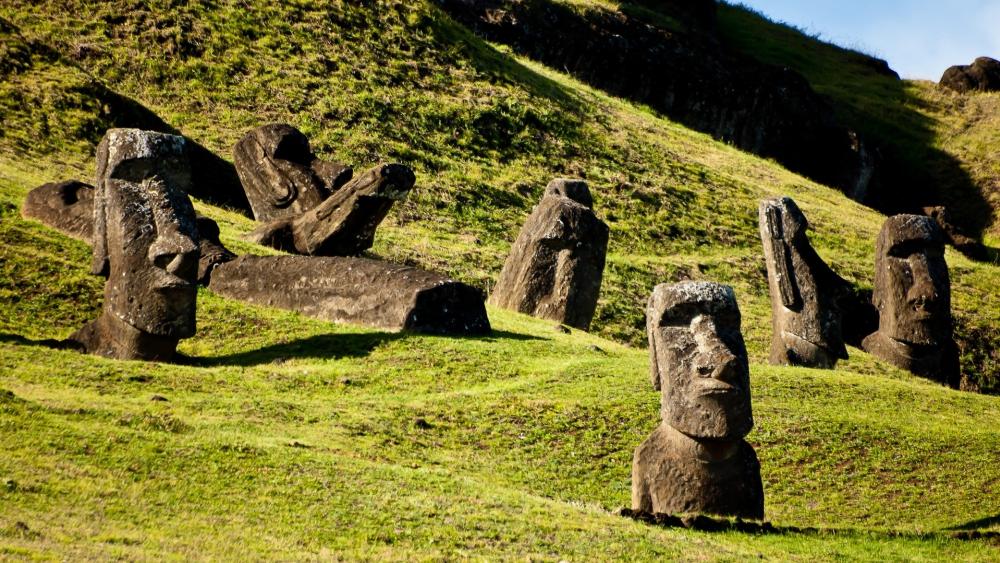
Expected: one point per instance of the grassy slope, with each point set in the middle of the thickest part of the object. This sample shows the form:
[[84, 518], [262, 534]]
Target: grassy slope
[[530, 432]]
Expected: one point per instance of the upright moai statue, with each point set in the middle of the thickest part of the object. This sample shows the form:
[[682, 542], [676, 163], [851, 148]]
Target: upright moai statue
[[555, 267], [145, 240], [344, 224], [697, 461], [280, 174], [913, 297], [806, 319]]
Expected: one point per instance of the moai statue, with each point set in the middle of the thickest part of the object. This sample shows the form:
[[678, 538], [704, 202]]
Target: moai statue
[[344, 224], [555, 267], [696, 461], [146, 242], [280, 174], [65, 206], [805, 315], [913, 297]]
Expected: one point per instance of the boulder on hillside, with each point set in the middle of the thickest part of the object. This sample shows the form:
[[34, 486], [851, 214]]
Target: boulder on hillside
[[982, 75], [355, 290]]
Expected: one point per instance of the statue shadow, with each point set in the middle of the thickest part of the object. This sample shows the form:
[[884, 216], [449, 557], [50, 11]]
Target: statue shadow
[[987, 522], [10, 338]]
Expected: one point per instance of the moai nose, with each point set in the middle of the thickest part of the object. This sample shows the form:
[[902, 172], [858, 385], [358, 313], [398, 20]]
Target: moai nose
[[175, 253], [923, 291]]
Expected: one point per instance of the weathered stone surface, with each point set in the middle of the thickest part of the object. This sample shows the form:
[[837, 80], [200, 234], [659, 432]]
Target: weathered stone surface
[[281, 175], [806, 319], [67, 207], [355, 290], [982, 75], [555, 267], [344, 224], [954, 235], [211, 250], [146, 240], [913, 296], [697, 461]]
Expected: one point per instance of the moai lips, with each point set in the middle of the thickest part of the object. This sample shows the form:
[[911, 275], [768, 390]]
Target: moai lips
[[913, 297], [281, 176], [344, 224], [555, 266], [145, 240], [805, 313], [697, 460]]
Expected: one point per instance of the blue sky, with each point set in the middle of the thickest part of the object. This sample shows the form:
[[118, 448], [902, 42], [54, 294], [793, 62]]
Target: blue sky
[[919, 38]]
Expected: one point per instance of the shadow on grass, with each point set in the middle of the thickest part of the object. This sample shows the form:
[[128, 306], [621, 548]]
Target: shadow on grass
[[8, 338], [333, 346], [704, 523], [978, 524]]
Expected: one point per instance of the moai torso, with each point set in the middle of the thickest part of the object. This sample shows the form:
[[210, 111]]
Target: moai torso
[[697, 460]]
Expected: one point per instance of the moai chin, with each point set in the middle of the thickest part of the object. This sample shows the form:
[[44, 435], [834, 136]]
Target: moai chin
[[555, 266], [913, 297], [697, 461], [806, 319], [145, 240]]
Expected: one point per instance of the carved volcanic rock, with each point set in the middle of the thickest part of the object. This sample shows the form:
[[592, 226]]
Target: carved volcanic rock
[[67, 207], [983, 75], [805, 293], [344, 224], [697, 460], [211, 250], [692, 78], [281, 175], [555, 267], [146, 240], [355, 290]]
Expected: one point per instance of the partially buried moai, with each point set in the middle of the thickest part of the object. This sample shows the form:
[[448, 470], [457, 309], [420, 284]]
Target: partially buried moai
[[913, 297], [146, 242], [555, 267], [697, 461], [806, 319]]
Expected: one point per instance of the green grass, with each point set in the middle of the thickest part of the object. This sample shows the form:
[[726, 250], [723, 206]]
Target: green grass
[[291, 438]]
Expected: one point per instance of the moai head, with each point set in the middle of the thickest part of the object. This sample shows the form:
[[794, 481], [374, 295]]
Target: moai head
[[145, 236], [699, 360], [804, 291], [576, 190], [912, 289]]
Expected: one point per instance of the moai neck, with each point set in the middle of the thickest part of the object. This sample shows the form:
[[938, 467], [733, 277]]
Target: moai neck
[[707, 451], [122, 340]]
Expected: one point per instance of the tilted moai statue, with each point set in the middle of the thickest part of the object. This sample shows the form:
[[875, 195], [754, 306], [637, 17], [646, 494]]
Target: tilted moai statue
[[280, 174], [805, 315], [344, 224], [696, 461], [146, 242], [555, 267], [913, 297], [65, 206]]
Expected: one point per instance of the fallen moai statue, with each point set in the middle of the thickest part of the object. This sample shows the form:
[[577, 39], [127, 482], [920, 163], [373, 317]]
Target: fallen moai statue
[[806, 319], [280, 174], [913, 297], [344, 224], [555, 266], [355, 290], [697, 461], [67, 207], [146, 242]]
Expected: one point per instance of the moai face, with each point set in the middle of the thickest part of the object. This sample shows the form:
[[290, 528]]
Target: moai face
[[576, 190], [912, 288], [145, 232], [804, 290], [699, 360]]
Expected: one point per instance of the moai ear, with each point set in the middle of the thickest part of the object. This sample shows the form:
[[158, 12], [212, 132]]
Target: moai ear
[[652, 323], [99, 258], [782, 258], [284, 190]]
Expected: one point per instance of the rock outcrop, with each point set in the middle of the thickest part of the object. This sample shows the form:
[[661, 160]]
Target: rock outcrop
[[355, 290], [555, 266], [983, 75], [697, 460]]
